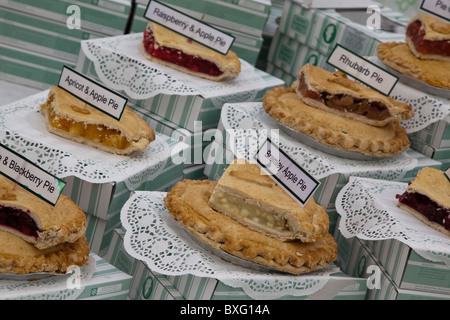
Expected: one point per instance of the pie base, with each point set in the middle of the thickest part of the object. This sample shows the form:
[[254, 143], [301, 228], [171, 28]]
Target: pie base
[[187, 203], [424, 219], [332, 130]]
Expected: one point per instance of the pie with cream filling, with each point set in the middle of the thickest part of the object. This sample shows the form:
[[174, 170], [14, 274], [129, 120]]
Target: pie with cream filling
[[187, 202], [245, 194], [335, 93], [163, 46], [69, 117], [428, 199]]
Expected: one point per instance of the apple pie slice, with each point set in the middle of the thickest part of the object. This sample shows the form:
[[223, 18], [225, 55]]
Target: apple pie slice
[[187, 202], [171, 49], [245, 194], [69, 117], [335, 93], [36, 221], [428, 199], [428, 37]]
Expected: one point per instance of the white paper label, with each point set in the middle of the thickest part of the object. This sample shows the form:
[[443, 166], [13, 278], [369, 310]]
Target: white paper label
[[362, 69], [29, 176], [286, 173], [189, 27], [440, 8], [92, 93]]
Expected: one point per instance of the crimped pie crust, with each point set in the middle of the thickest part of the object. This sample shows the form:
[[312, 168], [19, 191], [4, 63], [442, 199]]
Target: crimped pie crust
[[229, 64], [284, 106], [187, 202], [246, 182]]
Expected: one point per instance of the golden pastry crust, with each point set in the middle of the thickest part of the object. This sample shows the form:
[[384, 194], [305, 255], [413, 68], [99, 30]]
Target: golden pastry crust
[[315, 85], [284, 106], [435, 28], [187, 203], [246, 184], [19, 257], [229, 64], [63, 105], [398, 56], [64, 222]]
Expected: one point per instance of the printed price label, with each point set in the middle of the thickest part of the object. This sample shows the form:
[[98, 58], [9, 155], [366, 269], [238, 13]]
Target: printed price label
[[189, 27], [92, 93], [362, 69], [286, 173], [440, 8], [29, 176]]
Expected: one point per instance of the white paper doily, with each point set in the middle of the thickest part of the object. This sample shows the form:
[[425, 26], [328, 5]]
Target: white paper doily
[[153, 237], [246, 126], [22, 129], [368, 211]]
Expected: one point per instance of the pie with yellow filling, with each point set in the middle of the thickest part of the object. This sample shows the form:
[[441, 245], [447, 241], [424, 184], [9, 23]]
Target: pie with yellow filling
[[187, 202], [69, 117], [166, 47], [245, 194]]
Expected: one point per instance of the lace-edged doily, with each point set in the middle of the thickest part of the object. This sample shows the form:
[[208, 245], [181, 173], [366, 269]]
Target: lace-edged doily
[[368, 211], [23, 130], [246, 126], [153, 237]]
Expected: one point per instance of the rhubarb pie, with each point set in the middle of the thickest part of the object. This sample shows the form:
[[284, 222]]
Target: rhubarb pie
[[332, 130], [171, 49], [67, 116], [250, 197], [36, 221], [187, 202], [428, 37], [335, 93], [428, 199], [19, 257]]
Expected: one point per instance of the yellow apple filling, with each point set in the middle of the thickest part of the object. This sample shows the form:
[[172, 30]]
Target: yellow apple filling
[[239, 207]]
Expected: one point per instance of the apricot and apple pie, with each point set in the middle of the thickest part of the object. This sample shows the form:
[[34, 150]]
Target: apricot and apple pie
[[187, 202], [427, 198], [36, 221], [69, 117], [335, 93], [247, 195], [171, 49]]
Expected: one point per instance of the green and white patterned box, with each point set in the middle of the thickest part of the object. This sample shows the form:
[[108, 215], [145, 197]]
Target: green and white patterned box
[[281, 74], [441, 155], [436, 135]]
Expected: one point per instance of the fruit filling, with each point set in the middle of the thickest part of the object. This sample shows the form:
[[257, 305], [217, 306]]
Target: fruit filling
[[18, 220], [374, 110], [416, 33], [427, 207], [177, 57]]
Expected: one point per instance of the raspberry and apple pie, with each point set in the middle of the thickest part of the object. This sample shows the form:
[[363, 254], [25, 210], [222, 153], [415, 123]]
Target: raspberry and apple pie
[[171, 49], [247, 195], [427, 198], [69, 117]]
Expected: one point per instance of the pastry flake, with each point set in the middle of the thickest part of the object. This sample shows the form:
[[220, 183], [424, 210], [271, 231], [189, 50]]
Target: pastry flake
[[332, 130], [335, 93], [187, 202], [171, 49], [427, 198], [69, 117], [36, 221], [428, 37], [245, 194]]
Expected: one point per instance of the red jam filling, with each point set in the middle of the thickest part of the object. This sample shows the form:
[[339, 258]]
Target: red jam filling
[[177, 57], [417, 36], [19, 220], [427, 207]]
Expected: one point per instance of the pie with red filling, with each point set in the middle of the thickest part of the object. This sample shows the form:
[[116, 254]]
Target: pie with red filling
[[428, 199], [428, 37], [335, 93], [171, 49], [37, 222]]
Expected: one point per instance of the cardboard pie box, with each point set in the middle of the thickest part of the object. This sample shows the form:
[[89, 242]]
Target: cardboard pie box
[[439, 154], [436, 135]]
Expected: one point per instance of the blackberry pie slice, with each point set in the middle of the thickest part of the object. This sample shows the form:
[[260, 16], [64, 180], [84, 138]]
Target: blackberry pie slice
[[428, 199], [171, 49]]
